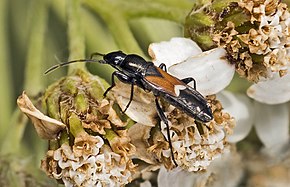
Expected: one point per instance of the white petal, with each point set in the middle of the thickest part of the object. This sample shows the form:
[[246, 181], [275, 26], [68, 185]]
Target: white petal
[[240, 107], [232, 171], [211, 71], [178, 177], [142, 108], [138, 111], [145, 184], [272, 124], [173, 51], [273, 91]]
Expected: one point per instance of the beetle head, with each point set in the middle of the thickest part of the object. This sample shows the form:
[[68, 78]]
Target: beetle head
[[114, 58]]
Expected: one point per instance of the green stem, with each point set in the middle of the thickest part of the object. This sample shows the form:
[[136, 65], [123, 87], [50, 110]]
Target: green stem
[[5, 73], [98, 39], [33, 81], [58, 7], [117, 24], [173, 10], [110, 134], [183, 4], [12, 143], [75, 34]]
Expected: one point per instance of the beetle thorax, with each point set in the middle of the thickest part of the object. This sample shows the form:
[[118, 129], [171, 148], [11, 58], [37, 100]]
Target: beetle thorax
[[134, 65]]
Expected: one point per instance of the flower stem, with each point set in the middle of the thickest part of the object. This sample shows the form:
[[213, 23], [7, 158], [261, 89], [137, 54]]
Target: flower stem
[[5, 73], [33, 81], [173, 10], [117, 24], [75, 34], [11, 143], [98, 39]]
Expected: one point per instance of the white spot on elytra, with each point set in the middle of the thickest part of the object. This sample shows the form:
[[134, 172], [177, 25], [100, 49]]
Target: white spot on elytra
[[177, 89]]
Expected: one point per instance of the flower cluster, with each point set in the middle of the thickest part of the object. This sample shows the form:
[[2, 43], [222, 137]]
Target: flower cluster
[[89, 145], [254, 33], [195, 145], [93, 143], [97, 166]]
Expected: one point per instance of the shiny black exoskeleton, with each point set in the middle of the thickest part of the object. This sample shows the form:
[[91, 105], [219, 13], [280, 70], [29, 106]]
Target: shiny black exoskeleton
[[134, 70]]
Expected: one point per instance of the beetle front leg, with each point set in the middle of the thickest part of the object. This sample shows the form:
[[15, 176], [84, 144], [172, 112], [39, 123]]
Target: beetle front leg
[[165, 120], [123, 78], [188, 80], [131, 97]]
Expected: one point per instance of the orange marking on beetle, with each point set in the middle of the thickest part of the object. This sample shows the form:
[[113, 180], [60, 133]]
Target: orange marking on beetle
[[167, 82]]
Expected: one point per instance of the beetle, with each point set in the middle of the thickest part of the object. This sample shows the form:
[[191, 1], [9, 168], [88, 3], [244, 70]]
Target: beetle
[[135, 70]]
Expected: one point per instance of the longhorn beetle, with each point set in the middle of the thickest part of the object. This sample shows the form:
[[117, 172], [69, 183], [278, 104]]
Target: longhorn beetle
[[135, 70]]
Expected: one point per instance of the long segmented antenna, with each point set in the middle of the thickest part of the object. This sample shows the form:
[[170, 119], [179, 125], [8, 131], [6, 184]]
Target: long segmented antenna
[[74, 61]]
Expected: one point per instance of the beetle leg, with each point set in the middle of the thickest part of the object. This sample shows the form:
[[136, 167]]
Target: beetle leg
[[126, 79], [188, 80], [163, 67], [131, 97], [122, 77], [165, 120], [96, 54], [199, 126]]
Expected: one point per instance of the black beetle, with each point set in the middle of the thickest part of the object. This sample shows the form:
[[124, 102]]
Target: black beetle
[[135, 70]]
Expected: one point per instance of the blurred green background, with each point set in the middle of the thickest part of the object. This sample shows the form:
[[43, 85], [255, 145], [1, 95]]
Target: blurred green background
[[36, 34]]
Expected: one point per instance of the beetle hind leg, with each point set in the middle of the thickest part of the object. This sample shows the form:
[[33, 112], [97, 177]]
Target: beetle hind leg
[[189, 80], [165, 120]]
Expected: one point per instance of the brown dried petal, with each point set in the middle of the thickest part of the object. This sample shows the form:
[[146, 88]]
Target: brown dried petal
[[46, 127], [84, 144], [106, 108], [226, 35], [95, 124], [195, 145], [158, 147], [49, 165], [139, 135], [122, 145]]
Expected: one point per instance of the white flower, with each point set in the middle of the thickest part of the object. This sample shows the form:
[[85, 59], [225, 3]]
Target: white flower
[[271, 122], [184, 58], [275, 90], [101, 168], [224, 171], [194, 146]]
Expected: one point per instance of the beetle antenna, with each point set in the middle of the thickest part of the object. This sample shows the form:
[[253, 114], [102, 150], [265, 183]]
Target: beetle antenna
[[96, 54], [74, 61], [67, 63]]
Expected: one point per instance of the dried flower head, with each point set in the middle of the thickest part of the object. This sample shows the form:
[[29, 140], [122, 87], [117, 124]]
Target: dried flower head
[[254, 33], [89, 145], [100, 167], [195, 145]]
